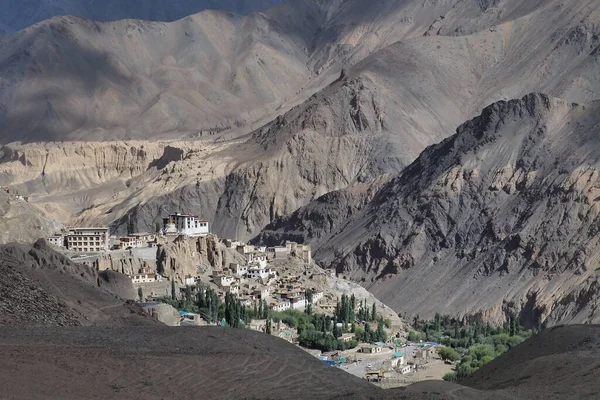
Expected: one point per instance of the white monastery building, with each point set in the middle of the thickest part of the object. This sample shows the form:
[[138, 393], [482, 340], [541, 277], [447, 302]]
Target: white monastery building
[[185, 224]]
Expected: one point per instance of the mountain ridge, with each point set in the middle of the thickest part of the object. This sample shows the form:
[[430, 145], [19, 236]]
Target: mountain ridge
[[445, 224]]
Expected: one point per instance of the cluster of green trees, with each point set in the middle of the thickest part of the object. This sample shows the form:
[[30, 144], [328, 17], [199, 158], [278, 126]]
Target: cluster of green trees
[[453, 333], [478, 355], [206, 302], [320, 331], [363, 312], [317, 331], [474, 344]]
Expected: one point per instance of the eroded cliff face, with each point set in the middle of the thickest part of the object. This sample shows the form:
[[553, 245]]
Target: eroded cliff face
[[500, 217], [175, 260], [54, 167]]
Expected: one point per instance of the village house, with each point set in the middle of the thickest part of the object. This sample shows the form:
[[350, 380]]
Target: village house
[[405, 369], [190, 280], [232, 244], [185, 224], [346, 337], [144, 275], [57, 241], [93, 240], [316, 297], [257, 259], [130, 242], [302, 251], [280, 305], [239, 270], [244, 249], [425, 353], [297, 302], [370, 349], [398, 360], [262, 293], [234, 288], [224, 280], [279, 253], [258, 273]]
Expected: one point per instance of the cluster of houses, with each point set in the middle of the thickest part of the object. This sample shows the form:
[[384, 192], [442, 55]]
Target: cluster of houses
[[256, 281], [251, 281]]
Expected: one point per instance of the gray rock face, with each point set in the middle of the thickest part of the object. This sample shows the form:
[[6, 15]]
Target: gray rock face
[[16, 15], [498, 218]]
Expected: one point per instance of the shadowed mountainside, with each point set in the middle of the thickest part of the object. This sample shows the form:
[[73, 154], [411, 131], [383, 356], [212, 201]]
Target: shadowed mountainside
[[18, 14], [39, 286], [501, 217]]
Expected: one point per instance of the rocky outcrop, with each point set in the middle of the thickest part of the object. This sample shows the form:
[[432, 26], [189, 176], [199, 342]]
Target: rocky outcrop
[[50, 168], [181, 257], [499, 218], [313, 223]]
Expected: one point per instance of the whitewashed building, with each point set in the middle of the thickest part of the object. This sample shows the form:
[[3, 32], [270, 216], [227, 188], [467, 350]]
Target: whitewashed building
[[224, 280], [185, 224], [280, 305], [239, 270], [56, 240], [144, 275], [93, 240], [258, 273], [297, 302]]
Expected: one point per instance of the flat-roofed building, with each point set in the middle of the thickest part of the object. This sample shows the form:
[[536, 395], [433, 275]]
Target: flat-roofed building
[[56, 240], [92, 240], [186, 224]]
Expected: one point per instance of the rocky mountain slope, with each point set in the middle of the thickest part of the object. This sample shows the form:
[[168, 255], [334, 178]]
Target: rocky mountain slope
[[39, 286], [21, 221], [17, 15], [375, 118], [498, 218], [137, 79]]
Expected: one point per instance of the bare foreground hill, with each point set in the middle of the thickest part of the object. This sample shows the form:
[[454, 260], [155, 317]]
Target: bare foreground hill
[[39, 286], [219, 363]]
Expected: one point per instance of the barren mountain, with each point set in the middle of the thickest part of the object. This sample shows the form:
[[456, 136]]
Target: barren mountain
[[18, 14], [212, 71], [373, 119], [500, 217], [79, 79], [39, 286], [23, 222]]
